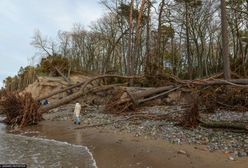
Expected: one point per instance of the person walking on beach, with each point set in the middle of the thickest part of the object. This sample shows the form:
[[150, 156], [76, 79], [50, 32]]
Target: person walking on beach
[[77, 111]]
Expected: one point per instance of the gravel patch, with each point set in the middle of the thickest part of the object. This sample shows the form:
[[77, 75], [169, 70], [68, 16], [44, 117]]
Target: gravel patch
[[233, 144]]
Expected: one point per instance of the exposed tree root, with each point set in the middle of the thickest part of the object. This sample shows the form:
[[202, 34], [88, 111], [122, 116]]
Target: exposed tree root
[[20, 110], [191, 116]]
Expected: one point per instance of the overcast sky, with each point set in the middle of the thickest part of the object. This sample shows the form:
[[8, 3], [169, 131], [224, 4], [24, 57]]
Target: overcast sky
[[20, 18]]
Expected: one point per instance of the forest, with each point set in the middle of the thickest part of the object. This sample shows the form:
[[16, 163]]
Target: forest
[[187, 39], [159, 70]]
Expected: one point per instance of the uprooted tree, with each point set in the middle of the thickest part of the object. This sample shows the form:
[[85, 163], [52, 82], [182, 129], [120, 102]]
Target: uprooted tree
[[20, 109], [23, 110]]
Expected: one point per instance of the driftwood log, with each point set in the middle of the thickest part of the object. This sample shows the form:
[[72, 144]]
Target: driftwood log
[[225, 125], [235, 82]]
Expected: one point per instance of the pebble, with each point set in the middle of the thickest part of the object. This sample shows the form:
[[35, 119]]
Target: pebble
[[181, 152], [231, 158], [242, 154], [235, 143]]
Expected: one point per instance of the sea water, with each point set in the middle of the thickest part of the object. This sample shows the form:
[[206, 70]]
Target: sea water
[[40, 152]]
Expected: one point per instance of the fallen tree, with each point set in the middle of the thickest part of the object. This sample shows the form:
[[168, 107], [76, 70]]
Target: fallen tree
[[209, 82], [60, 91], [23, 110], [224, 125], [125, 100], [20, 109], [81, 92]]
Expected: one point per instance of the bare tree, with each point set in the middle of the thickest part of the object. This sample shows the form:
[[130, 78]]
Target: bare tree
[[41, 43], [225, 41]]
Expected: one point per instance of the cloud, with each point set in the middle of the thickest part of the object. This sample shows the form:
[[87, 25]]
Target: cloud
[[19, 19]]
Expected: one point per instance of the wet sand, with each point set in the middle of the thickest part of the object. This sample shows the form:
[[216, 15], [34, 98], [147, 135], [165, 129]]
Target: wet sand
[[112, 149]]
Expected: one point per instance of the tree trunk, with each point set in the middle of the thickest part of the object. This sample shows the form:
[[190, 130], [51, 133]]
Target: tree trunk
[[81, 92], [138, 46], [224, 125], [61, 102], [190, 68], [60, 91], [225, 41], [130, 48], [147, 58], [159, 61]]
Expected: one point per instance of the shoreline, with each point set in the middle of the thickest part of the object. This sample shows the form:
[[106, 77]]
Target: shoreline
[[133, 144], [121, 150], [35, 151], [235, 144]]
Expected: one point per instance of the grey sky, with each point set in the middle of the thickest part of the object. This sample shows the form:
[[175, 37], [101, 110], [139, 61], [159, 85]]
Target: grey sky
[[20, 18]]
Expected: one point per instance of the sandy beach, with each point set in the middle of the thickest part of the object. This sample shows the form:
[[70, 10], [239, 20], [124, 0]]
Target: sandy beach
[[124, 83], [113, 149]]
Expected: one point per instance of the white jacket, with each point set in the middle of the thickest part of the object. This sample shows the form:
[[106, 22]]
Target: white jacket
[[77, 110]]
